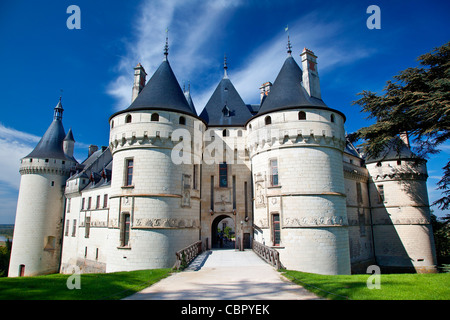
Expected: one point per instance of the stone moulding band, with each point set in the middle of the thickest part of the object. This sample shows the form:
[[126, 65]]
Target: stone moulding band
[[308, 222], [295, 194]]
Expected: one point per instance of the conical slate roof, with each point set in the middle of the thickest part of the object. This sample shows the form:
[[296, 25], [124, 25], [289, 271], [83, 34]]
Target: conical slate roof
[[288, 92], [51, 143], [396, 149], [162, 92], [225, 107], [69, 136]]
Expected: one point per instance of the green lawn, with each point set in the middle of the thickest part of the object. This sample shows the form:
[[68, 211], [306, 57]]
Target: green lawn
[[392, 286], [101, 286]]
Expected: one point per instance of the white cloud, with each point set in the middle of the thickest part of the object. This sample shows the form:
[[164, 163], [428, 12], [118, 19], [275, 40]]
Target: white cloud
[[16, 144], [192, 24]]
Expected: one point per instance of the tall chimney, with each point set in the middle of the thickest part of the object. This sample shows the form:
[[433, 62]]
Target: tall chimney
[[139, 81], [92, 149], [310, 73], [265, 89], [405, 138]]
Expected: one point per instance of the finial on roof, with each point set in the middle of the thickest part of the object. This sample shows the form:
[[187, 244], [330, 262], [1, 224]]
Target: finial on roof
[[289, 47], [225, 67], [166, 47], [58, 111]]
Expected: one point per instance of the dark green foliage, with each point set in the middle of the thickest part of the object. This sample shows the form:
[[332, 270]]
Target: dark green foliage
[[417, 102]]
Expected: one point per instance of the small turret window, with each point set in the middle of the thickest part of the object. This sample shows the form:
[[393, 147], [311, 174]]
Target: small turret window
[[225, 133], [302, 115], [154, 117], [112, 124], [128, 119], [332, 118], [182, 120], [268, 120]]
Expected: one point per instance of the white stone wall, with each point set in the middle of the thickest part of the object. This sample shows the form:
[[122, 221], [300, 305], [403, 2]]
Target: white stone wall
[[38, 225], [310, 198], [402, 231], [162, 203], [238, 167], [87, 252]]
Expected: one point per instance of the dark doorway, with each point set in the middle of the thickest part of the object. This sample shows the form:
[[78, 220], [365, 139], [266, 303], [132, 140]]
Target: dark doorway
[[247, 241], [222, 237], [21, 270]]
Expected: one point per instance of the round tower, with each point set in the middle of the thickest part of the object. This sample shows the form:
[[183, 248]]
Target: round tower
[[40, 207], [403, 236], [296, 146], [155, 196]]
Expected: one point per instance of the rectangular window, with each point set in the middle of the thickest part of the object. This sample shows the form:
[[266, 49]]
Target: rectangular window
[[68, 205], [125, 232], [245, 200], [82, 204], [97, 205], [380, 193], [212, 194], [194, 174], [105, 201], [234, 192], [67, 228], [223, 175], [87, 226], [359, 193], [74, 228], [276, 229], [274, 172], [89, 203], [129, 172]]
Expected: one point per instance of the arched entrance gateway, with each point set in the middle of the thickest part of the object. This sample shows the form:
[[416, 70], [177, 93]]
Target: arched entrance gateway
[[223, 230]]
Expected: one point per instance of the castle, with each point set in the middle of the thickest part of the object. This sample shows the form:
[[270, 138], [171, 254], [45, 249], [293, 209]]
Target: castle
[[282, 172]]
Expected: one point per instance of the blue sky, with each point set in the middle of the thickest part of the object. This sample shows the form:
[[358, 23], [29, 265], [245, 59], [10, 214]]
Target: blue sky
[[93, 66]]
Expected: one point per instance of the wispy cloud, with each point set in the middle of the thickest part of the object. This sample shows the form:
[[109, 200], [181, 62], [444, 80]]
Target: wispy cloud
[[16, 144], [191, 24]]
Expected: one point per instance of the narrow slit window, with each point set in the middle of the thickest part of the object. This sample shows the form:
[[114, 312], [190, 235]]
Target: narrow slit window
[[276, 229], [125, 232], [274, 172], [223, 175], [129, 172]]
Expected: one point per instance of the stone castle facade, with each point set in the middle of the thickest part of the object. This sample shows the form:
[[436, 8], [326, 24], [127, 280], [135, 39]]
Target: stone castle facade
[[282, 171]]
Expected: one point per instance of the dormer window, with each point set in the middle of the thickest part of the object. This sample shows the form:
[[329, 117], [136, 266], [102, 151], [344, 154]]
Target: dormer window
[[226, 111]]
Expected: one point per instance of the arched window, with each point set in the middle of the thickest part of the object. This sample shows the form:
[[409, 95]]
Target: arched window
[[182, 120], [225, 133], [302, 115], [154, 117], [239, 133], [268, 120], [128, 118], [332, 117], [250, 127]]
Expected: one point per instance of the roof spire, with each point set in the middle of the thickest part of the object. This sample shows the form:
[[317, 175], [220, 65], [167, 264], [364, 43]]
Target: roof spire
[[58, 111], [166, 47], [288, 47], [225, 67]]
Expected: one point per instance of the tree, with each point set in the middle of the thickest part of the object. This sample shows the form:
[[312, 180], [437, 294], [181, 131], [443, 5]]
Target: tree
[[416, 102]]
